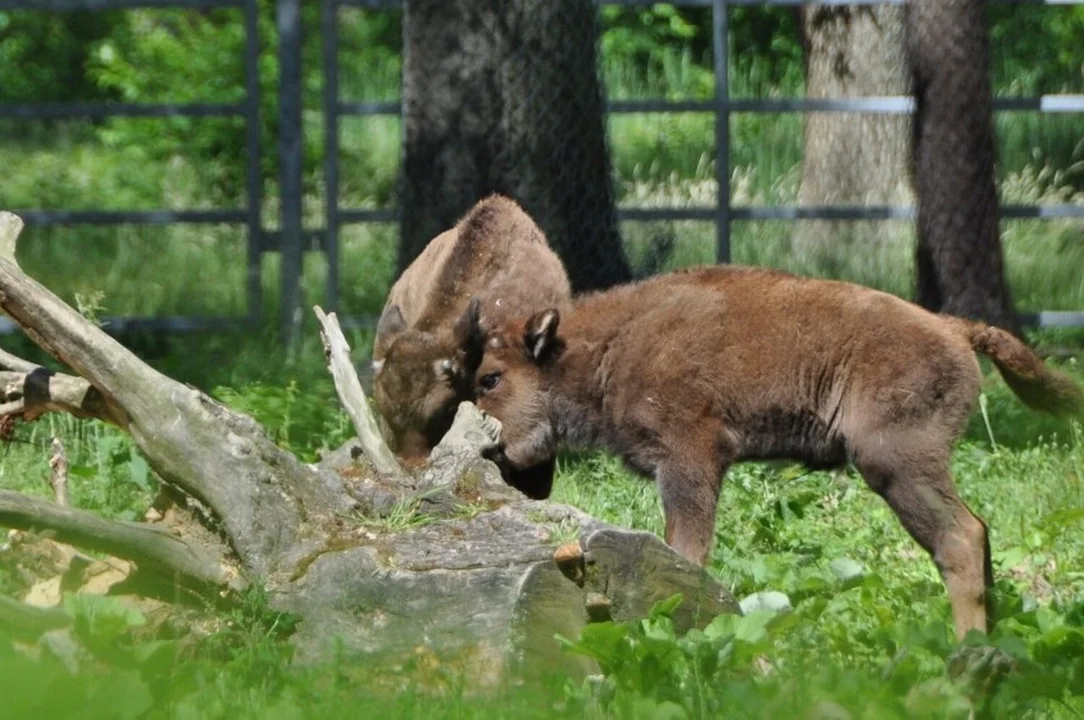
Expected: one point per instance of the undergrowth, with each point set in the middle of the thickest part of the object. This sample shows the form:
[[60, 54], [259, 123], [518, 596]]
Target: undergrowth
[[845, 615]]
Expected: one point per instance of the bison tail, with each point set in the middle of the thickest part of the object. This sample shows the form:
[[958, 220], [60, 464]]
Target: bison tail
[[1039, 387]]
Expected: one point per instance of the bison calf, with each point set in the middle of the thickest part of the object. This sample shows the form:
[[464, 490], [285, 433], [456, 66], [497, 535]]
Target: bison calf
[[423, 361], [686, 373]]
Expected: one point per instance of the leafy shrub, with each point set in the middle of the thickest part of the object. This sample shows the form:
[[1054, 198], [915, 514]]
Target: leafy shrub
[[749, 662]]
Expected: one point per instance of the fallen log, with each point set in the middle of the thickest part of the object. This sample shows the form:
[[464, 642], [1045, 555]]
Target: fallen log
[[447, 561]]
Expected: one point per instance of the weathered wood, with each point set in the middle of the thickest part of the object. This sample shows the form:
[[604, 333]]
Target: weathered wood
[[264, 498], [16, 364], [28, 623], [484, 593], [30, 393], [450, 562], [11, 226], [352, 396], [58, 473], [152, 548]]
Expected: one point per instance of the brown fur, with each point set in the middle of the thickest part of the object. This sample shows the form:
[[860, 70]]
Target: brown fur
[[422, 358], [687, 373]]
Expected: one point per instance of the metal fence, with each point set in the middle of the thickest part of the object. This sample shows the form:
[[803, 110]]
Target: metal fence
[[248, 109], [723, 213], [294, 239]]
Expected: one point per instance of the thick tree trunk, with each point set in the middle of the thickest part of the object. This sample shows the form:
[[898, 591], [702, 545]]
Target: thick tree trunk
[[851, 158], [505, 97], [450, 561], [959, 262]]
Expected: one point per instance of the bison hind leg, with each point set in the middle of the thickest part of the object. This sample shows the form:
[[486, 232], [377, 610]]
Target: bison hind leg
[[916, 483]]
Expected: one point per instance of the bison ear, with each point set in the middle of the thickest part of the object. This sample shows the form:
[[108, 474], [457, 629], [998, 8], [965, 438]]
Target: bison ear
[[391, 323], [540, 334]]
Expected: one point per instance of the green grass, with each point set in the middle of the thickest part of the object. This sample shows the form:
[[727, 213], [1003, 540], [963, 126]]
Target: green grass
[[870, 629], [872, 612]]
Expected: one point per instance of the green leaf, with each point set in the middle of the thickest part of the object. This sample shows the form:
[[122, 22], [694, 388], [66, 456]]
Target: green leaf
[[82, 471], [600, 641], [768, 600], [722, 626], [1075, 683], [101, 620], [124, 693], [665, 608], [753, 626], [846, 569], [1013, 645], [1012, 557], [138, 471], [1055, 524]]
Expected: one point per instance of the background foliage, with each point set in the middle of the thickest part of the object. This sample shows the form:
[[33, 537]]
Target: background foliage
[[659, 159]]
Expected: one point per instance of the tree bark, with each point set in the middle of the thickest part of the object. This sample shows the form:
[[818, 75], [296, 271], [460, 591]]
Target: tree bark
[[851, 158], [959, 261], [450, 561], [505, 97]]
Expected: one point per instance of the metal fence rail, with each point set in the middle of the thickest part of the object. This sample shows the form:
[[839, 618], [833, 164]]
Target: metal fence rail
[[248, 109], [722, 106]]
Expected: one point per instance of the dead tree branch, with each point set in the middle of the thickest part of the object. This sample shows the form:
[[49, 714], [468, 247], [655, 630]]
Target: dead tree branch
[[15, 363], [352, 396], [64, 333], [28, 394], [261, 494], [28, 623], [151, 548], [58, 476]]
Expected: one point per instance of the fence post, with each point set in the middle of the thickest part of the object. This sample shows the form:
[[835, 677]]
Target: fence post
[[288, 20], [721, 50], [329, 31], [253, 175]]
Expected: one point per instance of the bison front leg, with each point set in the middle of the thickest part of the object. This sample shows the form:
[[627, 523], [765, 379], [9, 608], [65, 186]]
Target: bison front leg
[[689, 487]]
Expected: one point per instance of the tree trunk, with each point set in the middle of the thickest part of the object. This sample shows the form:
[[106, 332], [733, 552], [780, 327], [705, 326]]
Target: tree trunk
[[449, 561], [959, 261], [851, 158], [505, 97]]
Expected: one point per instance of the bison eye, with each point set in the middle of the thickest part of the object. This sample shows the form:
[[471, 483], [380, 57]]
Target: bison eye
[[490, 380]]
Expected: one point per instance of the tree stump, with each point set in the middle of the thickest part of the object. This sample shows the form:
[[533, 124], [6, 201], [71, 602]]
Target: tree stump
[[448, 563]]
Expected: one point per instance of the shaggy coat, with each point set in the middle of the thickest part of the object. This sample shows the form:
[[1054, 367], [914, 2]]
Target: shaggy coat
[[422, 362], [684, 374]]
